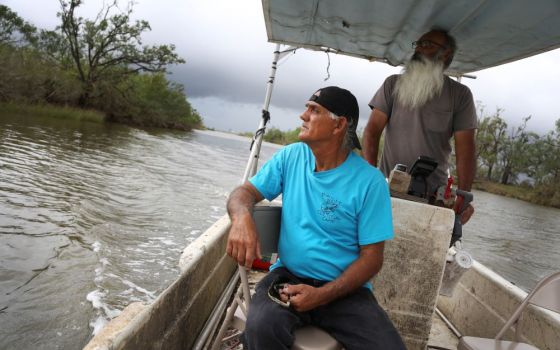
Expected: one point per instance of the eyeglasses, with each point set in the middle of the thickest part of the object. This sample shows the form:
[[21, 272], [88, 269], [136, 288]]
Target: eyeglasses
[[426, 44]]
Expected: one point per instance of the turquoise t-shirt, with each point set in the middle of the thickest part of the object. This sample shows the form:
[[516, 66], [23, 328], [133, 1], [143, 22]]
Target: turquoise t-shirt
[[327, 215]]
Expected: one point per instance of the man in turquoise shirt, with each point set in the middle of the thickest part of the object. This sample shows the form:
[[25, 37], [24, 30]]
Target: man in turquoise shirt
[[336, 216]]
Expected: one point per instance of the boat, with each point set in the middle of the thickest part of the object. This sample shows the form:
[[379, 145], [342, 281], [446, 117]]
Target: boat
[[186, 315]]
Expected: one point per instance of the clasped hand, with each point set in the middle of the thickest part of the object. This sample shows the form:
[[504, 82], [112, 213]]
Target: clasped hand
[[243, 241], [301, 296]]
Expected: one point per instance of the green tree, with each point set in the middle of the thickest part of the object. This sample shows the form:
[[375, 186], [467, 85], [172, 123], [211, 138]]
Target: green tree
[[547, 157], [109, 48], [154, 101], [278, 136], [13, 29], [514, 155], [274, 135], [490, 139], [545, 168], [292, 136]]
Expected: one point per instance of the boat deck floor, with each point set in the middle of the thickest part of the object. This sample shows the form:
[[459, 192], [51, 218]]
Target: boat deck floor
[[441, 336]]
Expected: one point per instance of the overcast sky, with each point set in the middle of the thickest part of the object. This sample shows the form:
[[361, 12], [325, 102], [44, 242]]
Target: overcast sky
[[228, 61]]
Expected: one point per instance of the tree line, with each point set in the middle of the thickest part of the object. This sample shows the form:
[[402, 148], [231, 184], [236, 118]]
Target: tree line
[[98, 64], [514, 155]]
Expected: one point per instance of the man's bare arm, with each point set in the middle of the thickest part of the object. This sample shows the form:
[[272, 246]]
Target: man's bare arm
[[372, 135], [243, 241], [304, 297], [466, 166]]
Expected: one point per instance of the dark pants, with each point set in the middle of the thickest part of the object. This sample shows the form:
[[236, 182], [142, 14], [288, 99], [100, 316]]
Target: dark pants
[[356, 321]]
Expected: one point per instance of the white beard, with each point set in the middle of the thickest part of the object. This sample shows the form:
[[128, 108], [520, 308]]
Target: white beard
[[421, 80]]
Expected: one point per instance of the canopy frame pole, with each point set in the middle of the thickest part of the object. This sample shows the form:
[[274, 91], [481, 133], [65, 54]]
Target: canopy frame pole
[[252, 163], [251, 170]]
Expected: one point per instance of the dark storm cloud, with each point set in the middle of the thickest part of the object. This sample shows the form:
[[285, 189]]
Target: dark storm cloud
[[237, 83]]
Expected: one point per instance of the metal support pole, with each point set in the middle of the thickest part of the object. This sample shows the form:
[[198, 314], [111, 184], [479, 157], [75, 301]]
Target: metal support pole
[[250, 170]]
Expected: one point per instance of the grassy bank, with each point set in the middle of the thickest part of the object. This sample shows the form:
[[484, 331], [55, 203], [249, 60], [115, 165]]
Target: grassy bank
[[541, 196], [52, 111], [512, 191]]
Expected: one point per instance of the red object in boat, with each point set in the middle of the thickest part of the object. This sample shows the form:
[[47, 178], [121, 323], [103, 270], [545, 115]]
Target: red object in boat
[[447, 192], [258, 264]]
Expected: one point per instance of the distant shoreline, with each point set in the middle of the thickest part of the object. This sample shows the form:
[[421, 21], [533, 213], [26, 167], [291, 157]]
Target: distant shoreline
[[54, 111], [234, 136]]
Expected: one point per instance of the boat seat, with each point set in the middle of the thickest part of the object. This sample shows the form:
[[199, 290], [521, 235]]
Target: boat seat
[[306, 338], [314, 338], [546, 294]]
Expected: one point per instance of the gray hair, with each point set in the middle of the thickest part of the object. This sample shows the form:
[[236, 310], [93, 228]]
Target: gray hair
[[347, 142]]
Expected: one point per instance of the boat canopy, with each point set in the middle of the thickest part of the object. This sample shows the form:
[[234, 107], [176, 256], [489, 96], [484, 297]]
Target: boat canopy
[[488, 32]]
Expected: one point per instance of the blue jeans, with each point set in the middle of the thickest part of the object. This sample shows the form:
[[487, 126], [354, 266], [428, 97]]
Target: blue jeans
[[356, 321]]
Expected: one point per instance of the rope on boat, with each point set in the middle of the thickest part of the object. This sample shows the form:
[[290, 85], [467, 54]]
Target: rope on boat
[[266, 118]]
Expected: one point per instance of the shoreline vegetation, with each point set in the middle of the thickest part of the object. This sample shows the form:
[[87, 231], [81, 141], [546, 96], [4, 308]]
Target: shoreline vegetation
[[543, 191], [50, 111], [92, 68]]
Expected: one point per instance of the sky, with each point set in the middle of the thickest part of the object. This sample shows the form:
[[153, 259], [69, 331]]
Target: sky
[[228, 62]]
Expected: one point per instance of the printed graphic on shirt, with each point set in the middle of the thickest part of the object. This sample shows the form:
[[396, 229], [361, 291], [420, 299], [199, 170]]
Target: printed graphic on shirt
[[328, 208]]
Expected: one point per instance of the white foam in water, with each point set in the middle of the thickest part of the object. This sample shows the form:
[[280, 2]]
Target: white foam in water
[[96, 246], [140, 289], [194, 232], [98, 324], [95, 298]]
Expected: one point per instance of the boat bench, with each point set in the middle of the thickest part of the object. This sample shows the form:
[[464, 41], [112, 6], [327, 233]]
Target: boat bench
[[408, 285]]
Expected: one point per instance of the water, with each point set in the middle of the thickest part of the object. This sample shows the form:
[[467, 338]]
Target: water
[[93, 217], [518, 240]]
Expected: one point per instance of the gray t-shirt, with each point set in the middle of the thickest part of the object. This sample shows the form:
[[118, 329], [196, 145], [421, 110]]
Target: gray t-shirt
[[425, 131]]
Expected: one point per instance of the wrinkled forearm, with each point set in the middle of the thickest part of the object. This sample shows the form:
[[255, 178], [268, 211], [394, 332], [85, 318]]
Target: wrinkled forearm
[[465, 172], [243, 241], [371, 147], [466, 158], [356, 275], [240, 202]]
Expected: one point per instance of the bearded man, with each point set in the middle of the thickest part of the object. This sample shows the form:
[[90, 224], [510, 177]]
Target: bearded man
[[421, 110]]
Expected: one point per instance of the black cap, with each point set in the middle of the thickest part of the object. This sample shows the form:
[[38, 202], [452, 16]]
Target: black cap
[[342, 103]]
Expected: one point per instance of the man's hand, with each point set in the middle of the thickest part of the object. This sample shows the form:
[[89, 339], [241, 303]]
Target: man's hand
[[302, 297], [467, 213], [465, 217], [243, 241]]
